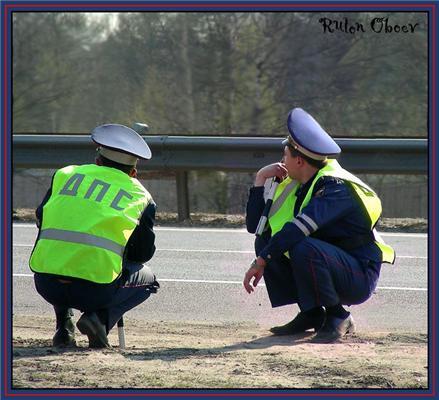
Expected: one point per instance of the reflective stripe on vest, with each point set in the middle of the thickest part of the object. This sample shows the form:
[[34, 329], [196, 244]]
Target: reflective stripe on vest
[[284, 212], [87, 222], [82, 238]]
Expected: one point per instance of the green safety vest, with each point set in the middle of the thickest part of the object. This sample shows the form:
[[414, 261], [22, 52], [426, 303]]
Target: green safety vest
[[282, 209], [87, 222]]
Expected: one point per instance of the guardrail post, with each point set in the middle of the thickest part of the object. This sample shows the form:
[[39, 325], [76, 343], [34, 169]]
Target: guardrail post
[[182, 195]]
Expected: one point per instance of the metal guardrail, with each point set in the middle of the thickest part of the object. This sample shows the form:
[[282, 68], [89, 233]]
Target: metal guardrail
[[377, 156], [245, 154]]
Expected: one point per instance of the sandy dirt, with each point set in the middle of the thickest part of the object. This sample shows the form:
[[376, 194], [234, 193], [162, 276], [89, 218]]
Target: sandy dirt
[[190, 355]]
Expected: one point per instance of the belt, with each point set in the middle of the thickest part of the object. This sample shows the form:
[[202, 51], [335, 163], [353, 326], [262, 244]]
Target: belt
[[63, 281]]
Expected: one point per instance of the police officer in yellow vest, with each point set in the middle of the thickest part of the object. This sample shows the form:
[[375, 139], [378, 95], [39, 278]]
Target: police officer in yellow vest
[[319, 249], [95, 234]]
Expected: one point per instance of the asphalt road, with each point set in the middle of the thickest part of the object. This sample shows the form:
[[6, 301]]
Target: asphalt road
[[201, 271]]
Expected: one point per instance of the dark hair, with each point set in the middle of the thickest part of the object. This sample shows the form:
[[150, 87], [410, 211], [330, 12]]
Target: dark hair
[[113, 164], [319, 164]]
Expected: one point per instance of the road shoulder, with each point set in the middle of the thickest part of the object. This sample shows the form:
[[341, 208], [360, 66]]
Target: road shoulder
[[220, 355]]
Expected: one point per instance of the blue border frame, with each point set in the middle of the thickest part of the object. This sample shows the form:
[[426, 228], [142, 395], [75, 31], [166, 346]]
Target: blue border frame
[[7, 7]]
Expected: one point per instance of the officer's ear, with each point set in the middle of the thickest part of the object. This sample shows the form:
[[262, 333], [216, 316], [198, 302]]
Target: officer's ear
[[133, 173], [98, 161]]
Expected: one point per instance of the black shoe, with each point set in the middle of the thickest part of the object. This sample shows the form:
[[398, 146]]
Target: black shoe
[[90, 325], [65, 335], [300, 324], [334, 328]]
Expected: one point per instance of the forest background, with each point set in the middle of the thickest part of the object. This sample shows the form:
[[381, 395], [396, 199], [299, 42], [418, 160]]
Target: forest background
[[226, 74]]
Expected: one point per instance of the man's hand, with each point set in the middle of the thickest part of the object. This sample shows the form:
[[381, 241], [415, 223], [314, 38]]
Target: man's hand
[[256, 271], [270, 171]]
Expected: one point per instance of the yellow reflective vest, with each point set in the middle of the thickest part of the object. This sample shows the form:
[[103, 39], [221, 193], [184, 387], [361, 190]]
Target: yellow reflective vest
[[284, 199], [87, 222]]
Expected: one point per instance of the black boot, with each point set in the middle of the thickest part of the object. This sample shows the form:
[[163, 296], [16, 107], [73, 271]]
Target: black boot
[[301, 323], [334, 329], [65, 329], [89, 324]]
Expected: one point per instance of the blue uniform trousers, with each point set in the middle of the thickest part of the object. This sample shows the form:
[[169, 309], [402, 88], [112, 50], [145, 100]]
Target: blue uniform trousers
[[317, 274], [109, 301]]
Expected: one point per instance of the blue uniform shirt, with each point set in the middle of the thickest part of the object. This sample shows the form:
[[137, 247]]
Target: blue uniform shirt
[[336, 211]]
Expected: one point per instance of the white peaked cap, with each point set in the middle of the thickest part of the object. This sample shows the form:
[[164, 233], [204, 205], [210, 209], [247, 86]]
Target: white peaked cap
[[120, 143]]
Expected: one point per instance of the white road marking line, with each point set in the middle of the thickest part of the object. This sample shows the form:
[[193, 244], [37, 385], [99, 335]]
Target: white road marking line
[[178, 250], [401, 288], [220, 251], [166, 228], [216, 230], [236, 230], [209, 251], [400, 234], [240, 283], [420, 257]]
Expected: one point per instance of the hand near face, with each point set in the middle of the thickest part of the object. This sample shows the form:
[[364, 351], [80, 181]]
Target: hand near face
[[270, 171]]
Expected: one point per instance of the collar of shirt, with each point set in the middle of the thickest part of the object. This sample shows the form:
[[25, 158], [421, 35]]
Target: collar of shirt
[[301, 193], [304, 187]]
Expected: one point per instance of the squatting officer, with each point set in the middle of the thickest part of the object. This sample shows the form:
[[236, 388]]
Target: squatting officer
[[95, 234], [319, 248]]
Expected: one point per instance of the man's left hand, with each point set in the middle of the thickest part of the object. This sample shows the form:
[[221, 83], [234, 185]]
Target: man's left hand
[[255, 272]]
